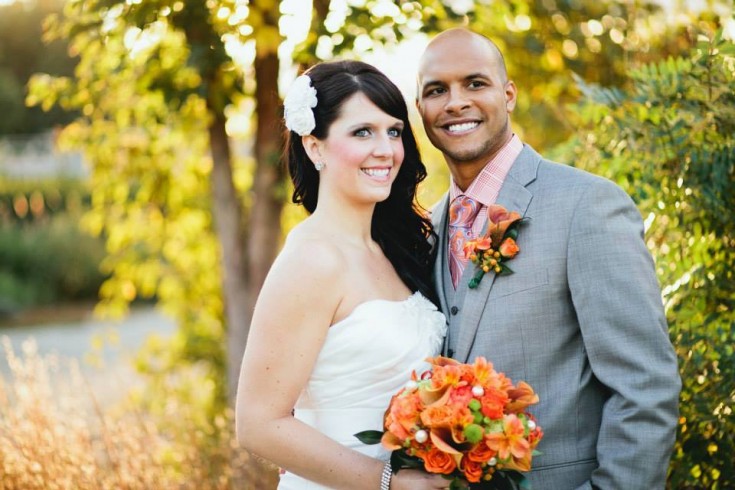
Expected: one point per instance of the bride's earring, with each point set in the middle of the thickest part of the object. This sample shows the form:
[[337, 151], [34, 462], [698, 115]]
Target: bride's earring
[[319, 165]]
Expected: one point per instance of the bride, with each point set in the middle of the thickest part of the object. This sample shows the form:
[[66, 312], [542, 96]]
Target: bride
[[345, 313]]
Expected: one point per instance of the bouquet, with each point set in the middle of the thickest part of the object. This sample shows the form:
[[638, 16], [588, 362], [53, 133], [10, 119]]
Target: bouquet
[[466, 421]]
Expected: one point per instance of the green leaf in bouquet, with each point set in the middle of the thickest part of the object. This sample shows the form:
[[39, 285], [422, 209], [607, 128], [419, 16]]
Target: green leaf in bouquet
[[456, 484], [399, 459], [369, 437]]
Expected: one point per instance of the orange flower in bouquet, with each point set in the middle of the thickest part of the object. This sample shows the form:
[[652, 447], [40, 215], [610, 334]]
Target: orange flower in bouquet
[[466, 421]]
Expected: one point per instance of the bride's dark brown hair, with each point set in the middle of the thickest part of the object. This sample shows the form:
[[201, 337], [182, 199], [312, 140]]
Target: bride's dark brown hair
[[399, 225]]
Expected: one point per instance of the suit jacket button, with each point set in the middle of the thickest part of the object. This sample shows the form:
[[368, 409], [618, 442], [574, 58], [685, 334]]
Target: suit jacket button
[[450, 353], [454, 310]]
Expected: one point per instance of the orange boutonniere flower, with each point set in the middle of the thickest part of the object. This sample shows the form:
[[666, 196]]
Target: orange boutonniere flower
[[491, 251]]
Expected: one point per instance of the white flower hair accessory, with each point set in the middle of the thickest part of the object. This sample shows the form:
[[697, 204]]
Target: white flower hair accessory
[[297, 105]]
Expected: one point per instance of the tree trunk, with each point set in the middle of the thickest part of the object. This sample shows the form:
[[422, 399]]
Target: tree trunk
[[264, 220], [268, 183], [227, 212]]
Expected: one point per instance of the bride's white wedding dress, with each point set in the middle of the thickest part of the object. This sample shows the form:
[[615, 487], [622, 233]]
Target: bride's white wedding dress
[[366, 358]]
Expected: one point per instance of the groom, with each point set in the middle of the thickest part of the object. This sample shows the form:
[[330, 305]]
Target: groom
[[581, 318]]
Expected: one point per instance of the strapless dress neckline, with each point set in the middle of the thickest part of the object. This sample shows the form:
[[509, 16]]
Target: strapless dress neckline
[[366, 358], [370, 303]]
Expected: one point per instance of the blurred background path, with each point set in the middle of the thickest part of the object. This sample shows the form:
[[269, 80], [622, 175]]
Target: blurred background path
[[103, 348]]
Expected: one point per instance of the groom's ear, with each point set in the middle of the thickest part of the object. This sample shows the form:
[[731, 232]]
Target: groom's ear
[[511, 93], [419, 106], [313, 147]]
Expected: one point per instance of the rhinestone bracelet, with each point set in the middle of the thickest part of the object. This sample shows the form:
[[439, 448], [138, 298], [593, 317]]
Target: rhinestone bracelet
[[386, 476]]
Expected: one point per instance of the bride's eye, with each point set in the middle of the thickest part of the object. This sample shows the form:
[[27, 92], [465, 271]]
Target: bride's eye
[[362, 132], [395, 132]]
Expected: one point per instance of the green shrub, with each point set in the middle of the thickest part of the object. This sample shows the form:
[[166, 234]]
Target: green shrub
[[32, 201], [670, 142], [48, 262]]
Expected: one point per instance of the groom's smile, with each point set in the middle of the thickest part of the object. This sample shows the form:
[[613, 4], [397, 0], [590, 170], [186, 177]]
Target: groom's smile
[[462, 127]]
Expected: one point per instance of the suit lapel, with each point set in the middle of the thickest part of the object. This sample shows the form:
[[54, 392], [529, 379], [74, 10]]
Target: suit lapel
[[439, 220], [514, 196]]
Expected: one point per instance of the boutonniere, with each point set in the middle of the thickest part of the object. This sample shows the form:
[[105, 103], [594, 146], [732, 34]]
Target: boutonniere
[[491, 251]]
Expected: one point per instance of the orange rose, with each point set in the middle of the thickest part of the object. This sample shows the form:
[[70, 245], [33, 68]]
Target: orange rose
[[439, 462], [460, 396], [508, 249], [437, 416], [481, 453], [472, 470], [493, 403], [447, 422], [403, 414]]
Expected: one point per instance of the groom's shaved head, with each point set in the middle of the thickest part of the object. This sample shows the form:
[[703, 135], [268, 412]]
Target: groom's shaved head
[[458, 38]]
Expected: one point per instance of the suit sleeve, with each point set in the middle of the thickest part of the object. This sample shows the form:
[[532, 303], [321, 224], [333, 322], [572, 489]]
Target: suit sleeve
[[618, 303]]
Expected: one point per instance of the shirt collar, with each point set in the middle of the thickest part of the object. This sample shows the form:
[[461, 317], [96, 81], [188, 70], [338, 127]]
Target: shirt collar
[[486, 186]]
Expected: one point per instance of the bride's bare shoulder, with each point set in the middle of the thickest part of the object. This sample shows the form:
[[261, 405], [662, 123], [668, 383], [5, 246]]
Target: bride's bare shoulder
[[310, 251]]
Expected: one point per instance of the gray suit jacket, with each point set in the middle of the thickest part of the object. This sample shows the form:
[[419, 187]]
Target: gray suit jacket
[[580, 320]]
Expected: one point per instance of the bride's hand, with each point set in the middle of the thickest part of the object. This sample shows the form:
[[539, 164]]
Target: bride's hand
[[418, 480]]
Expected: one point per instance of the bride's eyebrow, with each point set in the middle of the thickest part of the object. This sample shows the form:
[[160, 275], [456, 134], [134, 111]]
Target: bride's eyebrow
[[366, 124]]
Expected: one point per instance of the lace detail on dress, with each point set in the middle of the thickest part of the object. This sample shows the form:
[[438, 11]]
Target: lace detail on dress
[[429, 315]]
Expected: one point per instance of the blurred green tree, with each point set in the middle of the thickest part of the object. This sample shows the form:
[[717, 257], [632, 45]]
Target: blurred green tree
[[22, 53], [669, 141], [153, 84], [546, 41]]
